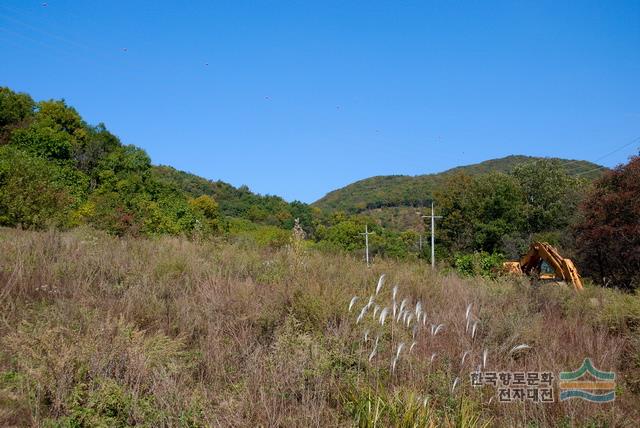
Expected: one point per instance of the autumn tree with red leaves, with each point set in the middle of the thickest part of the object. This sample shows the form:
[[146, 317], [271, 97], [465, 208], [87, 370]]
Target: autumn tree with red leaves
[[608, 233]]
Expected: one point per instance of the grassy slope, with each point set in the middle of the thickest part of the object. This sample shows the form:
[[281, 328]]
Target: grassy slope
[[403, 190], [98, 331]]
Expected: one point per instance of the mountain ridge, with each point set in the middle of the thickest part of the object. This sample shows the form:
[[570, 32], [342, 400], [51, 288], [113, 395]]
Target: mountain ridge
[[415, 190]]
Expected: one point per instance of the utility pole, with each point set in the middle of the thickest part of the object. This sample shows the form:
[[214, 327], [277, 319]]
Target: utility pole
[[366, 241], [433, 235]]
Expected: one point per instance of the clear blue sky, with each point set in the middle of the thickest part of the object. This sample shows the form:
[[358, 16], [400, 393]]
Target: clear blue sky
[[298, 98]]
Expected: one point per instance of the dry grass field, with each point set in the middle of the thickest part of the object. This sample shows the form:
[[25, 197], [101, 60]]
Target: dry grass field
[[98, 331]]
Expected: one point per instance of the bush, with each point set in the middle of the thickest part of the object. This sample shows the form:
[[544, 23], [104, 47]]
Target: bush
[[32, 191], [264, 236], [479, 264]]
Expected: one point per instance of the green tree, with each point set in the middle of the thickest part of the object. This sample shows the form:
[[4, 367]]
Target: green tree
[[344, 234], [16, 109], [59, 116], [209, 210], [55, 133], [551, 195], [32, 193], [44, 141], [479, 211], [98, 144], [456, 205]]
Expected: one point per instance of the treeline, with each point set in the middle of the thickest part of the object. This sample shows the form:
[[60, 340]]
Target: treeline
[[492, 217], [415, 191], [58, 171], [240, 202], [492, 213], [498, 212], [495, 216]]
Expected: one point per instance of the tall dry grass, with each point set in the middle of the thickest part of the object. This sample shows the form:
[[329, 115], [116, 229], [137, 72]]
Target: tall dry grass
[[99, 331]]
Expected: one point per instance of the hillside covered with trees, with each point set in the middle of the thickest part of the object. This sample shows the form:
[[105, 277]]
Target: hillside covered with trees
[[57, 170], [417, 191]]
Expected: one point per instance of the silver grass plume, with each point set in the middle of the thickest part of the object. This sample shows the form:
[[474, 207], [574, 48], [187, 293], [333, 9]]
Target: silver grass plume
[[409, 319], [473, 330], [372, 354], [436, 328], [519, 348], [400, 347], [403, 304], [380, 283], [353, 301], [375, 349], [362, 312], [455, 383], [383, 315]]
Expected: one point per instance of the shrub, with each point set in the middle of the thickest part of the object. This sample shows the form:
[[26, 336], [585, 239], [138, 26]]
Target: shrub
[[32, 191], [479, 264]]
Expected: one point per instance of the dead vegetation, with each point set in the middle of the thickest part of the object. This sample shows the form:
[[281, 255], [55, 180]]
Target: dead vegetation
[[98, 331]]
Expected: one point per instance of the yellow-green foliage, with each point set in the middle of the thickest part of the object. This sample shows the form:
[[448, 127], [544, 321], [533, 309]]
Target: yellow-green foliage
[[261, 235]]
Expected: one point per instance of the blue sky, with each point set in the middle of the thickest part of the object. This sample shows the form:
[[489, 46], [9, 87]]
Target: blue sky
[[301, 97]]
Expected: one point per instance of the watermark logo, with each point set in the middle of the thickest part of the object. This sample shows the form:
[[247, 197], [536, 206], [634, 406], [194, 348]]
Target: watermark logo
[[587, 383], [517, 386], [599, 387]]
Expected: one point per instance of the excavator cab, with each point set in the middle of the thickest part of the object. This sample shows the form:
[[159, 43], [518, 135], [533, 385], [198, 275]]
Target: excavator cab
[[544, 262]]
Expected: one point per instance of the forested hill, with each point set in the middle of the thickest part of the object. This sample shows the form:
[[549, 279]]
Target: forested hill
[[58, 170], [235, 201], [407, 191]]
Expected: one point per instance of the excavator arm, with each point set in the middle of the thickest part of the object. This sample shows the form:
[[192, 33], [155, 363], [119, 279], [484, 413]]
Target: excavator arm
[[530, 264]]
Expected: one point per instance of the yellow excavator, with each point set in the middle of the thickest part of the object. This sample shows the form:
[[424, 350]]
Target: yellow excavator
[[557, 267]]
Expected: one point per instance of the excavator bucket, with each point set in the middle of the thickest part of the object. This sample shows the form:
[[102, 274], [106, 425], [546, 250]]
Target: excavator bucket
[[512, 268]]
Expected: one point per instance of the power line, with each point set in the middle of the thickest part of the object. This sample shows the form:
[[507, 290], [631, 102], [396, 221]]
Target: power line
[[610, 153], [42, 31], [587, 172], [635, 140], [64, 44]]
